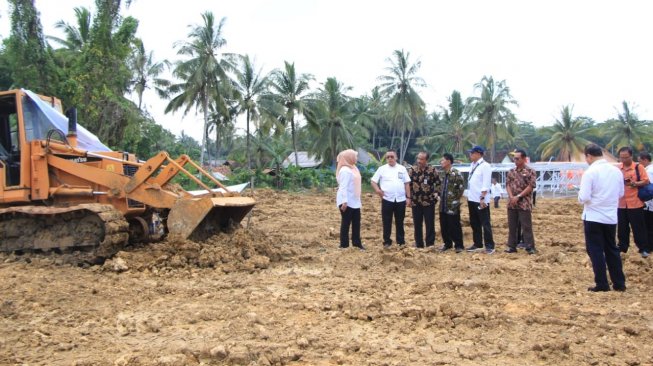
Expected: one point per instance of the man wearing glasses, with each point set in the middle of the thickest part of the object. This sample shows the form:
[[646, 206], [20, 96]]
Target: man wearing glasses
[[391, 182], [520, 182]]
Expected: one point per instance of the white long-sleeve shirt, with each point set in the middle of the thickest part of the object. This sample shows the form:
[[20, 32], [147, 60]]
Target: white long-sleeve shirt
[[346, 190], [480, 180], [601, 187]]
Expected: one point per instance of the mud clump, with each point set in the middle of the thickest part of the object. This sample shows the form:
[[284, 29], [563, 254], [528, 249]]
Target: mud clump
[[241, 250]]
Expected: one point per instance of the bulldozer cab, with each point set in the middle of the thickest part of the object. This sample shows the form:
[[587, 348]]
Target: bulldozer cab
[[21, 121], [9, 141]]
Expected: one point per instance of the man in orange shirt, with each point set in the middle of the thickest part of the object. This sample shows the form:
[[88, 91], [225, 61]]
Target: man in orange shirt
[[631, 209]]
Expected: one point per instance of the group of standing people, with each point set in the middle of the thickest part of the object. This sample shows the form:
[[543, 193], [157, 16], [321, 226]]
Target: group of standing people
[[427, 191], [608, 193], [611, 206]]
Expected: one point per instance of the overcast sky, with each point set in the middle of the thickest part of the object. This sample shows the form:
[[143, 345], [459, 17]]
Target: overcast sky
[[592, 54]]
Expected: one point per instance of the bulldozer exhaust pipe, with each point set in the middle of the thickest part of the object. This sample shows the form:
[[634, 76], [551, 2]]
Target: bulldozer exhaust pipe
[[72, 126]]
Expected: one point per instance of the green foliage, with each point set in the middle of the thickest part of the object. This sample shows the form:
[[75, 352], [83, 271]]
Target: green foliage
[[331, 123], [204, 81], [406, 108], [297, 179], [567, 137], [492, 113], [287, 92], [28, 58]]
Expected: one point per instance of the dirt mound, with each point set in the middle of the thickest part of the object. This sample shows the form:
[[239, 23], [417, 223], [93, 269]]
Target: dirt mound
[[241, 250]]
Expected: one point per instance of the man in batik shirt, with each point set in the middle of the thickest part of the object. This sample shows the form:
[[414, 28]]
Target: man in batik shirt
[[424, 186], [451, 192], [520, 182]]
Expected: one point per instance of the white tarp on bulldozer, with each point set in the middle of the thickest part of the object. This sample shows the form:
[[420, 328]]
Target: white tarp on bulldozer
[[85, 139]]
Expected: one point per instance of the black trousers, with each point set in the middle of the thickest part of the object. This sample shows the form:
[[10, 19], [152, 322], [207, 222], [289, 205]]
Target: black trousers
[[520, 228], [496, 201], [602, 250], [479, 220], [424, 214], [632, 218], [452, 231], [648, 219], [388, 210], [351, 217]]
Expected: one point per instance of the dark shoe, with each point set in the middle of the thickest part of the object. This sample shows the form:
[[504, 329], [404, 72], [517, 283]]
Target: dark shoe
[[386, 246], [489, 251], [474, 248], [531, 251], [521, 245], [444, 248], [619, 288], [401, 246], [622, 248], [360, 246], [645, 254], [598, 289], [343, 247], [459, 250], [510, 250]]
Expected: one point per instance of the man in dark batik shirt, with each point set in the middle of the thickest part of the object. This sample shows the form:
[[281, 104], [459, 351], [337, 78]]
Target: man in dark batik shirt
[[451, 192], [520, 182], [424, 187]]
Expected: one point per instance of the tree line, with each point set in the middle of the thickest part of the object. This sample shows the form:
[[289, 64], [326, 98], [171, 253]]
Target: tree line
[[100, 63]]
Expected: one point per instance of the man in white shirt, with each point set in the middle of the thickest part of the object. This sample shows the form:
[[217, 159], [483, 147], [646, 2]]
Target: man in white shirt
[[601, 187], [478, 201], [391, 182], [645, 160]]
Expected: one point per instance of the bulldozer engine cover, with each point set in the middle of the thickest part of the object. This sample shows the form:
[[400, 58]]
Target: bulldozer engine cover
[[200, 218]]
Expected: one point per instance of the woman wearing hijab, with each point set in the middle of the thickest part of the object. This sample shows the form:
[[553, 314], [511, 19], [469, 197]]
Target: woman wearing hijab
[[348, 198]]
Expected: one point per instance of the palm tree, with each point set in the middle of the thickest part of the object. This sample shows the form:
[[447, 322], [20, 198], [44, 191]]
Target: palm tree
[[453, 132], [405, 105], [491, 110], [277, 149], [250, 85], [287, 89], [146, 72], [330, 121], [566, 137], [76, 36], [627, 129], [202, 75], [224, 127], [369, 113]]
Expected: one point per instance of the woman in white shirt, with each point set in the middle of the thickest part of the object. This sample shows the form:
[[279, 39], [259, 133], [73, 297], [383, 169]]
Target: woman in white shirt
[[348, 198]]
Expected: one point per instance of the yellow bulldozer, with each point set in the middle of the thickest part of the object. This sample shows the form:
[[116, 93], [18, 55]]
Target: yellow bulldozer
[[61, 189]]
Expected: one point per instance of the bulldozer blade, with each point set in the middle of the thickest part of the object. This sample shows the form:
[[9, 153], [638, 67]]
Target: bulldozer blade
[[200, 218]]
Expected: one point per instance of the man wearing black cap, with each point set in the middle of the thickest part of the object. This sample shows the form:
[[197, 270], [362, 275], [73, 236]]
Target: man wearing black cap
[[478, 201]]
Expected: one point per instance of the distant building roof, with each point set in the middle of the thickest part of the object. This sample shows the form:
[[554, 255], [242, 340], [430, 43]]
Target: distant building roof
[[305, 161]]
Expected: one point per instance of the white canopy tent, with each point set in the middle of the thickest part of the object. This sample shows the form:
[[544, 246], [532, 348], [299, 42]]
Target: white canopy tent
[[553, 178]]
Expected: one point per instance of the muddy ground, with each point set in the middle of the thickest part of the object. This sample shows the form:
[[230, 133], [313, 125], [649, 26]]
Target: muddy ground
[[281, 293]]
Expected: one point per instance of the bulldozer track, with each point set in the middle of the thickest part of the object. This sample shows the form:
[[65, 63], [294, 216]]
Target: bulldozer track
[[87, 232]]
